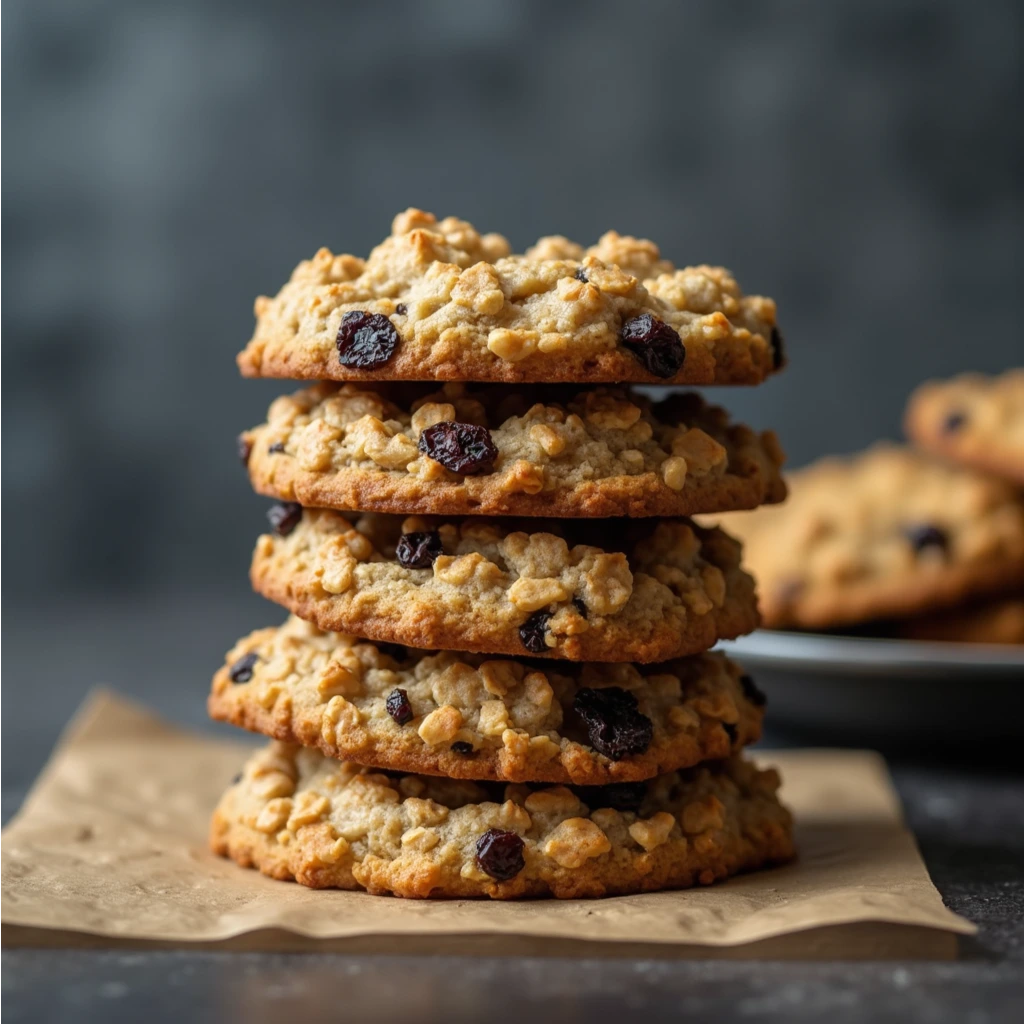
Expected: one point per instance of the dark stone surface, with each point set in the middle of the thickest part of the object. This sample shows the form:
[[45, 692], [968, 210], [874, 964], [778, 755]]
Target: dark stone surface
[[970, 824], [861, 161]]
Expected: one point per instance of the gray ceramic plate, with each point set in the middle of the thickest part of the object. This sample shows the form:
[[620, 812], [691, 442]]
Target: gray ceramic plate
[[877, 691]]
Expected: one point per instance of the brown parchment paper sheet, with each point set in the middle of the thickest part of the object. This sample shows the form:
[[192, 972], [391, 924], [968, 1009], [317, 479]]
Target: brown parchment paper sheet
[[112, 842]]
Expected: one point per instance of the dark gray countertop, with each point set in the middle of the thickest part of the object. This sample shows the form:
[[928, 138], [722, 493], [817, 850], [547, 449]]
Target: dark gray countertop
[[970, 824]]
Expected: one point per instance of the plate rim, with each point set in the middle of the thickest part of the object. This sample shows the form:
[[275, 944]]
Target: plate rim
[[852, 653]]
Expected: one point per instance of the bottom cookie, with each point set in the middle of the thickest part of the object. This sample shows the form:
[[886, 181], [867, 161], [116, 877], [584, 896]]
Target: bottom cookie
[[295, 814]]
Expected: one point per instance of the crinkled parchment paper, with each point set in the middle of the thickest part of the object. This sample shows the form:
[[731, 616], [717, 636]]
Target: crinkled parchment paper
[[110, 847]]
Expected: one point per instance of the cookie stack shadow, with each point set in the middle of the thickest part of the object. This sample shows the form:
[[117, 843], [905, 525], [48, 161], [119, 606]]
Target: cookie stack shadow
[[495, 679]]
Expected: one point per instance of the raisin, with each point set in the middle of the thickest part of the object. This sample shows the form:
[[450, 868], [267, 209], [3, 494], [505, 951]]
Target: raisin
[[927, 536], [619, 796], [366, 340], [581, 275], [752, 692], [284, 517], [531, 632], [241, 671], [953, 422], [462, 747], [398, 706], [401, 309], [730, 731], [656, 345], [275, 448], [778, 345], [500, 854], [614, 725], [789, 589], [580, 606], [461, 447], [244, 449], [418, 550]]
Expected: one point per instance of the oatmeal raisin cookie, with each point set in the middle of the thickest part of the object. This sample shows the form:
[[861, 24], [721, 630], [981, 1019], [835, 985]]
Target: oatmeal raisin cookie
[[586, 590], [295, 814], [886, 533], [472, 717], [438, 301]]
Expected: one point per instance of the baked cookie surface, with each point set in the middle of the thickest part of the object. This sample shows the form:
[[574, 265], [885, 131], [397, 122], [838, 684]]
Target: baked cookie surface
[[586, 590], [601, 452], [470, 717], [884, 533], [1000, 621], [972, 420], [438, 301], [295, 814]]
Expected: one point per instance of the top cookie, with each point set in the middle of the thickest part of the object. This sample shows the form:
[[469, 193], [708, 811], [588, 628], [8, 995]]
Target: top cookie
[[885, 533], [438, 301], [973, 420]]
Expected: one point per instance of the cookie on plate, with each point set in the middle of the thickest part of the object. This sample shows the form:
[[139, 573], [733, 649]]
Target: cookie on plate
[[470, 717], [297, 814], [484, 451], [888, 532], [437, 301], [587, 590], [972, 420], [999, 621]]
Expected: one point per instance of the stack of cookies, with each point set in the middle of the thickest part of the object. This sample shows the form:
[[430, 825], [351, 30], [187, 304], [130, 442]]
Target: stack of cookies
[[922, 542], [495, 680]]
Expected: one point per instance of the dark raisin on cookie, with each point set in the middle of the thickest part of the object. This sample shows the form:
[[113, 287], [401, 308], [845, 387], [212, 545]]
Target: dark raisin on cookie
[[462, 747], [401, 309], [418, 550], [244, 449], [580, 606], [789, 589], [752, 692], [778, 345], [615, 726], [500, 854], [398, 706], [532, 631], [619, 796], [276, 447], [464, 448], [925, 535], [730, 731], [366, 340], [581, 275], [953, 422], [241, 671], [656, 345], [284, 517]]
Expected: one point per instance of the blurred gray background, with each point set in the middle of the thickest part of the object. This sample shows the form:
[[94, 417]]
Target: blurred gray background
[[861, 161]]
